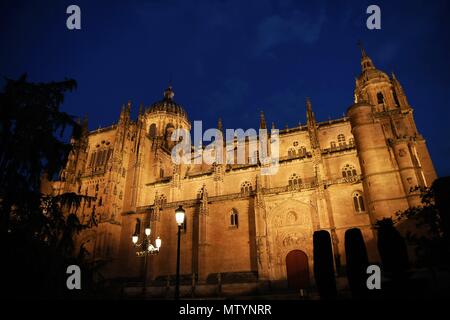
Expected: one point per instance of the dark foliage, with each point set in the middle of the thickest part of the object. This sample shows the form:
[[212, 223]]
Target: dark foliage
[[357, 262], [323, 265], [432, 235], [392, 248], [36, 231]]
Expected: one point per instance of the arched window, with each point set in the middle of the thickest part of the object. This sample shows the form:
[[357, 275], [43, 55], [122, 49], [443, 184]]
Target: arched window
[[294, 181], [246, 187], [100, 202], [302, 151], [348, 171], [169, 129], [291, 152], [152, 131], [358, 202], [333, 144], [341, 139], [380, 98], [137, 227], [234, 221]]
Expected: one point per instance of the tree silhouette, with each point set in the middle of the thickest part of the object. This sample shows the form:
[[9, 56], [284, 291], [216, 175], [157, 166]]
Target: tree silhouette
[[323, 265], [357, 262], [36, 230], [392, 248]]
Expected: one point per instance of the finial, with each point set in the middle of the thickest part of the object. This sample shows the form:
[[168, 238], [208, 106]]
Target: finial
[[219, 124], [363, 51], [308, 104], [262, 121], [273, 125], [168, 93]]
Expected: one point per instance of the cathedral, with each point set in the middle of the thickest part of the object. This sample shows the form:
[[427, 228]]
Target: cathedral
[[242, 229]]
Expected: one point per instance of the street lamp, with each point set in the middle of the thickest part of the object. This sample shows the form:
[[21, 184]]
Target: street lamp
[[146, 248], [179, 217]]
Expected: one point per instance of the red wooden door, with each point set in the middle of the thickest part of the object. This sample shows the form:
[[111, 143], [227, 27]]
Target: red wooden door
[[297, 269]]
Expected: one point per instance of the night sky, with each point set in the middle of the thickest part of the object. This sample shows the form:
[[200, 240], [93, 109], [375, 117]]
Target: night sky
[[233, 58]]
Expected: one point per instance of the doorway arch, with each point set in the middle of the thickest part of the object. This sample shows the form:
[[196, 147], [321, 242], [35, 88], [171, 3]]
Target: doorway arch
[[297, 269]]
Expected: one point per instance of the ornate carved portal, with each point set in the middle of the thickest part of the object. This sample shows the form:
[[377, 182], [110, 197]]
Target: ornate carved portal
[[290, 230]]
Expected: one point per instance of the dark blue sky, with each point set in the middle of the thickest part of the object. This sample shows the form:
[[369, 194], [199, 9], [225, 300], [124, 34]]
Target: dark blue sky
[[233, 58]]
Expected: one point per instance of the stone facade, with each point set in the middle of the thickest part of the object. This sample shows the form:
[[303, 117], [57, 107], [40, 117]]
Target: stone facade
[[334, 175]]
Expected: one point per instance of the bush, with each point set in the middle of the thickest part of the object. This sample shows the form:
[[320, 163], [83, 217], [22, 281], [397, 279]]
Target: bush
[[357, 262], [323, 265]]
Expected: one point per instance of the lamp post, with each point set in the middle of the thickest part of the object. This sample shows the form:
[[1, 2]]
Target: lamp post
[[146, 248], [179, 217]]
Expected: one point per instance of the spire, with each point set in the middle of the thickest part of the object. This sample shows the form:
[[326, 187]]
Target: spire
[[125, 113], [310, 118], [141, 109], [399, 93], [363, 51], [219, 124], [273, 125], [262, 121], [312, 125], [366, 62]]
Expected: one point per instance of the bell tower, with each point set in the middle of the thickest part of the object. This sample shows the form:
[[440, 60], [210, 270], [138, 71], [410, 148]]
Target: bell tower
[[392, 153]]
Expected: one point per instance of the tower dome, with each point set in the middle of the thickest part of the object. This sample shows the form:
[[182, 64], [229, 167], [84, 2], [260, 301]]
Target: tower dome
[[168, 105], [369, 71]]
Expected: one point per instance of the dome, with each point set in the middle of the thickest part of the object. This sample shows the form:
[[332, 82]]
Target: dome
[[369, 71], [168, 105]]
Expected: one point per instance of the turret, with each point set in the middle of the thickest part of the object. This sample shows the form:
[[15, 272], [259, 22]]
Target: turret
[[386, 142]]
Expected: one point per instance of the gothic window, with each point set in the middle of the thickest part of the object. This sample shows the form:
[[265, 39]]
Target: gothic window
[[100, 202], [234, 221], [291, 152], [302, 151], [348, 171], [358, 202], [120, 195], [137, 227], [123, 172], [92, 159], [115, 190], [351, 141], [380, 98], [162, 199], [246, 188], [333, 144], [294, 181], [341, 139], [152, 131], [169, 129], [161, 173]]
